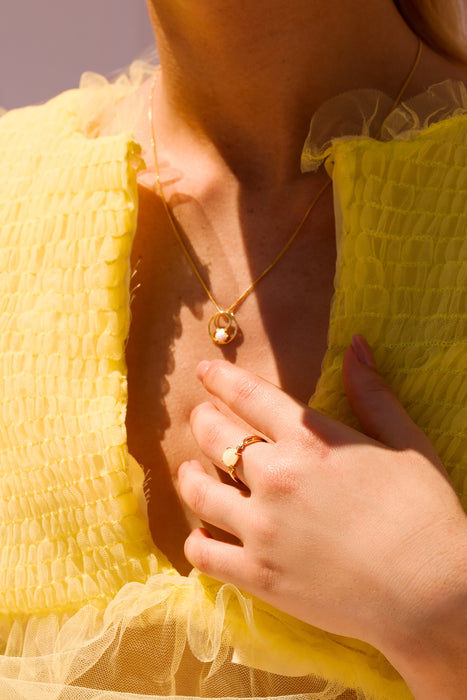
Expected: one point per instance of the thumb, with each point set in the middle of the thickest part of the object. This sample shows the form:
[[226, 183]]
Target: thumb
[[376, 406]]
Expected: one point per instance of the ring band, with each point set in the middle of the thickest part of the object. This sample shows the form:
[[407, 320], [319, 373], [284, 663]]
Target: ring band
[[232, 455]]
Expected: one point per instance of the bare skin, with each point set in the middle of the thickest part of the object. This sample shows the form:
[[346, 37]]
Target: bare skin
[[238, 194], [162, 385], [231, 118], [357, 533]]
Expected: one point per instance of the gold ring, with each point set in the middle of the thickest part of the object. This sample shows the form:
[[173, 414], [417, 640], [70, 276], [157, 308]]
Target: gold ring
[[232, 455]]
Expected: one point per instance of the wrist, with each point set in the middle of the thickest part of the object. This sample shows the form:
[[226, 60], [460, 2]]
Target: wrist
[[430, 650]]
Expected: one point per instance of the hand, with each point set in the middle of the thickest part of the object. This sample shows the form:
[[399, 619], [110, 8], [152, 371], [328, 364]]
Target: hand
[[354, 533]]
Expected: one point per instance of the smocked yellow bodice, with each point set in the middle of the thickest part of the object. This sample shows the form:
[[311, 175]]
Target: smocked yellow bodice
[[79, 573]]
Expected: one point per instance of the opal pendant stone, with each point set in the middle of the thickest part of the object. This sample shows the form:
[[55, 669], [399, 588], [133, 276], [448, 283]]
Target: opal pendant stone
[[223, 327], [221, 335]]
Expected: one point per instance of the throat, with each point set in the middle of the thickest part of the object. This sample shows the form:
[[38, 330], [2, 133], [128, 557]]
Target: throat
[[247, 77]]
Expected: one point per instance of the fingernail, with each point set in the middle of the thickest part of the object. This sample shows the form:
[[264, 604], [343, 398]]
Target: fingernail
[[184, 466], [363, 351], [202, 369]]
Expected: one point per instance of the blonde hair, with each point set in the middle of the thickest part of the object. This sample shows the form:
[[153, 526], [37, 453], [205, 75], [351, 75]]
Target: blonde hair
[[442, 24]]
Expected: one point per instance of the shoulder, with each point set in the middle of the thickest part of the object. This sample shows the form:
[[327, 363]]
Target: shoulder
[[62, 129], [50, 166], [31, 125], [81, 110]]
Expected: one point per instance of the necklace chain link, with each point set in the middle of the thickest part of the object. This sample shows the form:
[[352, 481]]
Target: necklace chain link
[[223, 326]]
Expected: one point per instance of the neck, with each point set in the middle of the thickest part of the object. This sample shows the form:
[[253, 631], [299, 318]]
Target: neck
[[247, 76]]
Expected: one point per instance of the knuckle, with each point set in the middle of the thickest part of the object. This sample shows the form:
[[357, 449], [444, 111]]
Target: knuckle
[[210, 436], [262, 545], [244, 388], [379, 392], [307, 440], [304, 442], [411, 457], [265, 576], [279, 480], [197, 555], [194, 492], [265, 532], [199, 495]]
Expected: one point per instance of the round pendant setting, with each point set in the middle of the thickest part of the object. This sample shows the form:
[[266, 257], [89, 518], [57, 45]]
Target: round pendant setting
[[223, 327]]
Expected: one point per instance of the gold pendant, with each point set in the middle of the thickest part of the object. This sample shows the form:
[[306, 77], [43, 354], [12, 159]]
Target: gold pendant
[[223, 327]]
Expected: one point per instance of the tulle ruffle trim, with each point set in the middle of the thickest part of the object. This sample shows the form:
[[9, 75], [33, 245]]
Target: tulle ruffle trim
[[370, 114], [114, 105], [191, 636], [188, 636]]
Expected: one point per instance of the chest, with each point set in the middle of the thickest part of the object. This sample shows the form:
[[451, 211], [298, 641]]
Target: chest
[[283, 328]]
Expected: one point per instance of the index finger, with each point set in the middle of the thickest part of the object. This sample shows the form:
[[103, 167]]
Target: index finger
[[259, 403]]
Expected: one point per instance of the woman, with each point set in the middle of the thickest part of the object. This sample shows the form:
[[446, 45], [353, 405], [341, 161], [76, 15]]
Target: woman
[[96, 606]]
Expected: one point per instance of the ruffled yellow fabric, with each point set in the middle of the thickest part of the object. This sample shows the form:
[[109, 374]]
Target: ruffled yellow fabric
[[89, 607], [401, 278], [372, 114]]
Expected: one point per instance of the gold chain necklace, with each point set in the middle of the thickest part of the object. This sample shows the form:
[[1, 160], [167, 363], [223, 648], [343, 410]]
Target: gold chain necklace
[[223, 326]]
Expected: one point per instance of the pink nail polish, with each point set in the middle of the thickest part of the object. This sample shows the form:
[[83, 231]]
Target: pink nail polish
[[363, 351]]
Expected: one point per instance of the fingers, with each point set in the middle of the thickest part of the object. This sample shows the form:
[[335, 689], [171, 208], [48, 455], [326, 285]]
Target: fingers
[[260, 404], [225, 562], [377, 408], [219, 504], [215, 432]]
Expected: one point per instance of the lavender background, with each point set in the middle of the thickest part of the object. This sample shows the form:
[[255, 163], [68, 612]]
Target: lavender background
[[45, 45]]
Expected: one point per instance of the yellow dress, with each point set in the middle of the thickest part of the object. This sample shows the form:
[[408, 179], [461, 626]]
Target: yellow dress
[[89, 607]]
